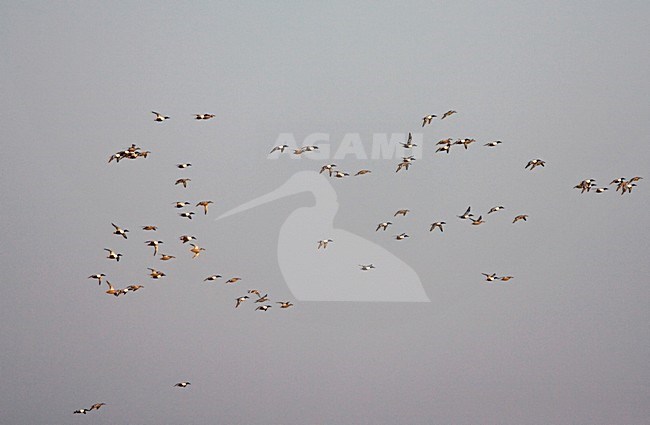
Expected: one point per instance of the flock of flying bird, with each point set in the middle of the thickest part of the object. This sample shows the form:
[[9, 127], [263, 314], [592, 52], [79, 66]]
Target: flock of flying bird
[[134, 152]]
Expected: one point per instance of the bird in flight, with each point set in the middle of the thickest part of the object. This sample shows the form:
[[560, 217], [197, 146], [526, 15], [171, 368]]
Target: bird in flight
[[534, 163], [98, 276], [362, 172], [437, 224], [154, 244], [212, 278], [183, 165], [119, 231], [159, 117], [401, 212], [427, 120], [241, 300], [383, 225], [284, 304], [150, 227], [263, 307], [490, 277], [280, 148], [495, 209], [328, 168], [493, 144], [323, 243], [182, 384], [479, 220], [203, 116], [112, 255], [447, 114], [466, 214], [183, 182], [367, 267], [401, 236], [196, 250], [520, 217]]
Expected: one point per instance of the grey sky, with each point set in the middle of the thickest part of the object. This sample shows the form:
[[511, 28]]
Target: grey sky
[[566, 342]]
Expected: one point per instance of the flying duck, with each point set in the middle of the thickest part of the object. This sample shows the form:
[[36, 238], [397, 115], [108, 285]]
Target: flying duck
[[401, 236], [159, 117], [182, 384], [328, 168], [437, 224], [241, 300], [183, 165], [323, 243], [182, 181], [166, 257], [187, 214], [204, 204], [263, 307], [156, 274], [534, 163], [233, 280], [203, 116], [466, 214], [362, 172], [213, 277], [284, 304], [520, 217], [98, 277], [401, 212], [427, 120], [155, 246], [479, 220], [447, 114], [112, 255], [490, 277], [149, 227], [383, 225], [493, 144], [280, 148], [495, 209], [120, 231], [186, 238], [366, 267], [196, 250]]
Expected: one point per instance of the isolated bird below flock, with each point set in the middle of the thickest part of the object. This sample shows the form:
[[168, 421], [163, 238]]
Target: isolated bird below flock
[[323, 243], [340, 174], [263, 307], [180, 204], [187, 214], [401, 236]]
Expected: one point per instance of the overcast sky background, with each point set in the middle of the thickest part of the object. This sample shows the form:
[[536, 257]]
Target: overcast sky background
[[565, 342]]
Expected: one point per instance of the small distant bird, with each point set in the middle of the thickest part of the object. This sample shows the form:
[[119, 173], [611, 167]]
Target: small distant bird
[[183, 384], [182, 181], [534, 163], [183, 165], [466, 214], [479, 220], [383, 225], [401, 212], [156, 274], [204, 204], [280, 148], [111, 290], [119, 231], [254, 291], [328, 168], [437, 224], [155, 246], [493, 144], [186, 238], [404, 165], [465, 142], [401, 236], [179, 204], [443, 148], [323, 243], [520, 217], [627, 186], [490, 277], [601, 189], [134, 288], [427, 120], [213, 277], [84, 411], [618, 180], [241, 300], [262, 298], [340, 174], [495, 209], [447, 114], [362, 172], [154, 228], [263, 307], [636, 179], [166, 257], [585, 185], [159, 117], [203, 116], [366, 267], [444, 142], [233, 280], [98, 277], [506, 278], [284, 304], [96, 406], [187, 214], [196, 250], [112, 255], [409, 142]]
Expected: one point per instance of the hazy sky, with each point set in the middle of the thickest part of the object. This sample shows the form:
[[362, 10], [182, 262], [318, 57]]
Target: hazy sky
[[565, 342]]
